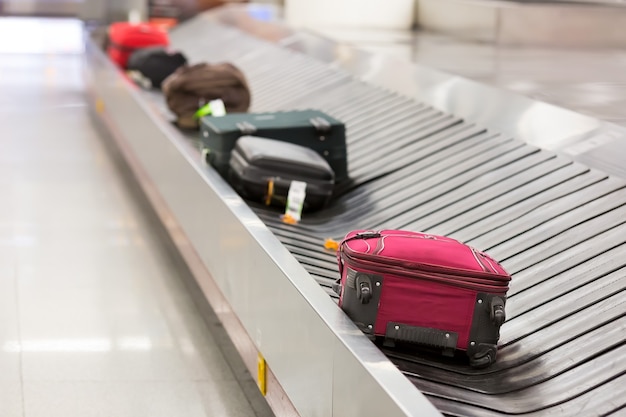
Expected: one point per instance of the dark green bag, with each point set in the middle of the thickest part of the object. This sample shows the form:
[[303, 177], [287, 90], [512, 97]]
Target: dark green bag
[[310, 128]]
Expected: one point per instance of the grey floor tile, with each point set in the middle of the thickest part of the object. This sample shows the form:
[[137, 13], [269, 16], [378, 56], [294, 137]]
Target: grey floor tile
[[100, 359], [224, 398], [112, 399], [11, 399], [10, 360]]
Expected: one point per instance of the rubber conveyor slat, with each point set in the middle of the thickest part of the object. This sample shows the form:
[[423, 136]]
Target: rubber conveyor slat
[[558, 226]]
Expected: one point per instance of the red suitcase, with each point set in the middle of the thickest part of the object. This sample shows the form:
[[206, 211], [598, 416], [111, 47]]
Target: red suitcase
[[125, 38], [402, 286]]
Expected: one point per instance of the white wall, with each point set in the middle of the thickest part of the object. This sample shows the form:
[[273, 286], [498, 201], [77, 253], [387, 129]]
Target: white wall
[[355, 14]]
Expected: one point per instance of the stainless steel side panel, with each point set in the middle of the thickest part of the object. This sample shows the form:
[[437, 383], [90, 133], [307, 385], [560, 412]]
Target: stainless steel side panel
[[323, 363]]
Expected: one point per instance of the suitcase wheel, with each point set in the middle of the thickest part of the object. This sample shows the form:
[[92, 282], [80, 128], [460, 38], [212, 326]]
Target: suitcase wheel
[[207, 155], [337, 286], [483, 356]]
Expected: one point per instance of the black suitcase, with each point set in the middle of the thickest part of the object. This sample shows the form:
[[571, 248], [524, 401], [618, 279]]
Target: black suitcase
[[310, 128], [256, 162], [156, 64]]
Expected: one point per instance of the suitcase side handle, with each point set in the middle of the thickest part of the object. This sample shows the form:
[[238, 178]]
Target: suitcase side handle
[[246, 128], [320, 124], [425, 336]]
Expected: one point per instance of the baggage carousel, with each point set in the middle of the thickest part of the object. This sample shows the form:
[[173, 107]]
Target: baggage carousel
[[541, 189]]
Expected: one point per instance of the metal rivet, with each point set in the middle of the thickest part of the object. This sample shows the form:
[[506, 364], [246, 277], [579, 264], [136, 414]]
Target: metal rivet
[[480, 301], [322, 138], [472, 343], [377, 284], [447, 335], [326, 153], [397, 327], [369, 326], [206, 134]]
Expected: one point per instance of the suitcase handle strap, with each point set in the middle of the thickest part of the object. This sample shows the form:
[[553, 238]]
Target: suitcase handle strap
[[370, 234]]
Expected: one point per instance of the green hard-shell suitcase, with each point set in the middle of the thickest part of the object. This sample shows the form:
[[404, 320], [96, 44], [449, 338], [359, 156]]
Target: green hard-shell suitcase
[[310, 128]]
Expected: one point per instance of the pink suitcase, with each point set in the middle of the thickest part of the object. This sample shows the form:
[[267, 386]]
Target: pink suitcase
[[434, 291]]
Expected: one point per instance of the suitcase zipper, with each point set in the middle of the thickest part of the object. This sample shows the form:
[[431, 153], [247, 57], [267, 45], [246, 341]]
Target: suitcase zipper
[[486, 258], [380, 245], [484, 273], [434, 277], [482, 265]]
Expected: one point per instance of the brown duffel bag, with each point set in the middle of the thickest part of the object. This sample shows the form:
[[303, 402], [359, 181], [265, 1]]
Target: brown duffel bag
[[191, 87]]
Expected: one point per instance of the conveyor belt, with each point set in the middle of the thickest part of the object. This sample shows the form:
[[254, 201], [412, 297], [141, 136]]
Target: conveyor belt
[[558, 226]]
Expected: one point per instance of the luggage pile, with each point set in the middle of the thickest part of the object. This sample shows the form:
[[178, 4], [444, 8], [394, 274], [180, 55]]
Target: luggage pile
[[264, 154], [292, 160], [142, 49], [399, 287]]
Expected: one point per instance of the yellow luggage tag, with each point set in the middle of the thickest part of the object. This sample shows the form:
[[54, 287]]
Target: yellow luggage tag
[[331, 244], [270, 192]]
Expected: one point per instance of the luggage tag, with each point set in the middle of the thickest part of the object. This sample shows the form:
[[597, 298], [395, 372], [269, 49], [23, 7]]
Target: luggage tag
[[215, 108], [295, 202]]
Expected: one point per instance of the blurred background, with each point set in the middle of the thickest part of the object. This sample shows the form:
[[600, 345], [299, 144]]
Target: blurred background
[[568, 53]]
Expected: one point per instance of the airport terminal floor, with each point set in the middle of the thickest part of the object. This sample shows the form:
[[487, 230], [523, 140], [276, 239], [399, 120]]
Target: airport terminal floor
[[94, 317]]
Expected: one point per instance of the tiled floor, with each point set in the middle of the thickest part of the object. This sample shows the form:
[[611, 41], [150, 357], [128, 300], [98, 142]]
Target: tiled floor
[[94, 318]]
